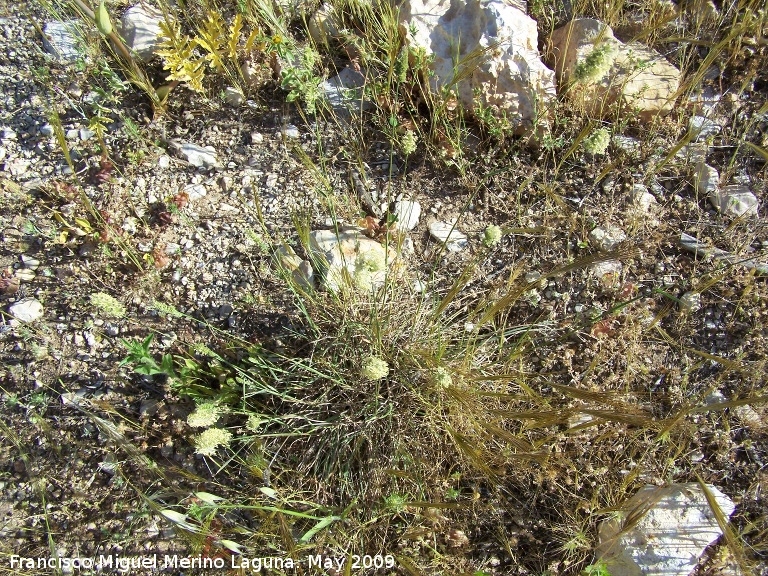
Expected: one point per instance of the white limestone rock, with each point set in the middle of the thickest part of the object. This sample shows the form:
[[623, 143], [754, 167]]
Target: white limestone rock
[[702, 127], [734, 200], [598, 70], [491, 46], [408, 213], [26, 310], [140, 28], [301, 270], [64, 40], [344, 93], [675, 525], [607, 238], [324, 26], [199, 156], [351, 259], [449, 235], [707, 179]]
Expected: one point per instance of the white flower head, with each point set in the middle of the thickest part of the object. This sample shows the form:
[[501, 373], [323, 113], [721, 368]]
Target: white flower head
[[108, 305], [597, 142], [211, 439], [492, 235], [441, 377], [374, 368], [255, 422], [408, 142], [206, 414]]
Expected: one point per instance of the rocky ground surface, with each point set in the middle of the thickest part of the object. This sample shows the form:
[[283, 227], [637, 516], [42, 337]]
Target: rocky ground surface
[[177, 225]]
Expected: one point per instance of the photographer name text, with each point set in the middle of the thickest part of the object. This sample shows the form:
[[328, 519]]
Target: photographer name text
[[155, 562]]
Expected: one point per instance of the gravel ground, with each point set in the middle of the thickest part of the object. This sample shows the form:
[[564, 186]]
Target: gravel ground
[[193, 238]]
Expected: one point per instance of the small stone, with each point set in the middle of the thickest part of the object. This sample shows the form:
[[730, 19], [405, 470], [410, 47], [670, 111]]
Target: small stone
[[344, 93], [291, 132], [46, 130], [707, 179], [233, 96], [25, 275], [607, 270], [735, 200], [225, 311], [626, 144], [607, 238], [408, 213], [164, 161], [18, 166], [301, 270], [195, 191], [702, 127], [448, 234], [271, 181], [644, 200], [85, 134], [256, 137], [750, 417], [690, 302], [199, 156], [26, 310], [29, 262]]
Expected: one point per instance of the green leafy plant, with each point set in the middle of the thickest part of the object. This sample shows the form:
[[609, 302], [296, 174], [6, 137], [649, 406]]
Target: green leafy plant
[[300, 81], [144, 362]]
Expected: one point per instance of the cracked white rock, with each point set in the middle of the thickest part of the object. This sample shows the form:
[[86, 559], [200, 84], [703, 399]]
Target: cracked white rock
[[350, 259], [344, 93], [496, 45], [607, 238], [449, 235], [199, 156], [599, 70], [140, 28], [702, 127], [195, 191], [735, 200], [26, 310], [671, 527], [607, 269], [690, 302], [408, 213], [707, 179], [64, 40]]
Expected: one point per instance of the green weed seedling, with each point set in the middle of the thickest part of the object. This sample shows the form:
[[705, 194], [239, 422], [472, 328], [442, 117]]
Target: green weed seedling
[[142, 360]]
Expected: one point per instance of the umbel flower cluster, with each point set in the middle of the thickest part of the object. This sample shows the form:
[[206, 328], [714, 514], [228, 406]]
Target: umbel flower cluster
[[205, 416]]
